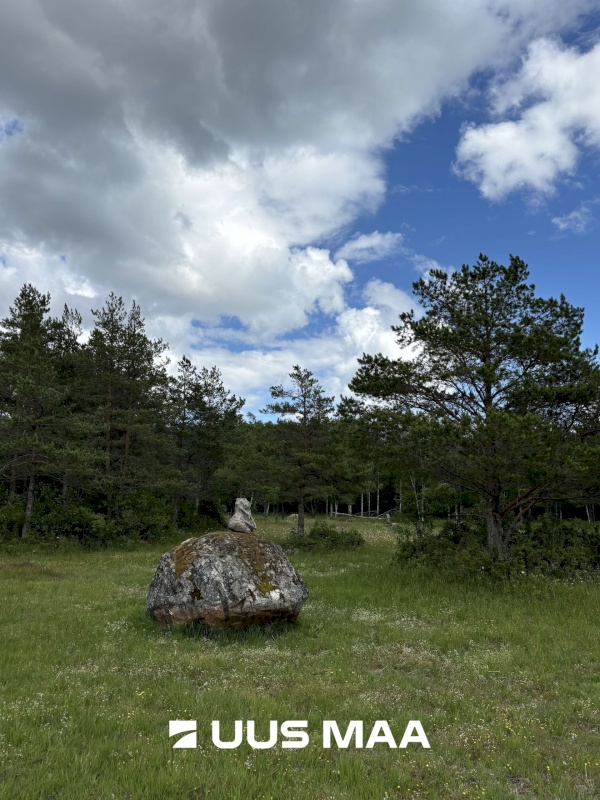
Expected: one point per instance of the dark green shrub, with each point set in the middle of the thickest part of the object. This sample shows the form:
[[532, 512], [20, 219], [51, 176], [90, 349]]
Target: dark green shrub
[[546, 546], [206, 516], [324, 536], [457, 550], [73, 522], [144, 516], [12, 514], [553, 547]]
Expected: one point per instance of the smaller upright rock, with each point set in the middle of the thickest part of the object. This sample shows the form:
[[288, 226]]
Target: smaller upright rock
[[242, 521]]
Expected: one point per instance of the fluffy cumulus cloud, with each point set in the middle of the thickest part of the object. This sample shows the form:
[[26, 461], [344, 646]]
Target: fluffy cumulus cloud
[[370, 247], [199, 156], [332, 354], [553, 105]]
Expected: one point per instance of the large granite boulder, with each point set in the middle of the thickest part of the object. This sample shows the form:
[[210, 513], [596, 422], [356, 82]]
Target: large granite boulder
[[242, 521], [225, 580]]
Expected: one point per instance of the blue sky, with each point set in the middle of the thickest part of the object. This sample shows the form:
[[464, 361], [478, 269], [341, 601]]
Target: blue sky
[[268, 178], [445, 217]]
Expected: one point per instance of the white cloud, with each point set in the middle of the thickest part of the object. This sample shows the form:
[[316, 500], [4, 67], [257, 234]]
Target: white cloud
[[382, 294], [331, 356], [556, 95], [578, 221], [199, 156], [370, 247]]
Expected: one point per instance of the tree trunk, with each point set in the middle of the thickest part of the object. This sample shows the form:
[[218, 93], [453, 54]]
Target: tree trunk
[[420, 507], [301, 517], [29, 506], [336, 509], [495, 533], [126, 453], [350, 509], [266, 510], [377, 498], [13, 483], [362, 499], [65, 489], [176, 504], [369, 503]]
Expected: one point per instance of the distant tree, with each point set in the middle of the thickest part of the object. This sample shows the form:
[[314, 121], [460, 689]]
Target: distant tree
[[126, 385], [103, 423], [202, 413], [303, 433], [500, 376], [34, 412], [76, 462], [250, 467]]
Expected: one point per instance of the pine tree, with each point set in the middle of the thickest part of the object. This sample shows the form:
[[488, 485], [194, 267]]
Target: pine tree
[[201, 414], [126, 384], [303, 433], [31, 397], [500, 376]]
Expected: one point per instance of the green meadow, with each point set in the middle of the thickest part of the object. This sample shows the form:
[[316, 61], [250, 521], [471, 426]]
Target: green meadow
[[504, 679]]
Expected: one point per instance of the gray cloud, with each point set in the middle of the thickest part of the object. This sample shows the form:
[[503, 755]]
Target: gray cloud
[[194, 154]]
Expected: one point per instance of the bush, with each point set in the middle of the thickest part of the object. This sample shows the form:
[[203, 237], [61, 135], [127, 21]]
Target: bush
[[324, 536], [73, 522], [555, 547], [12, 514], [546, 546], [458, 550]]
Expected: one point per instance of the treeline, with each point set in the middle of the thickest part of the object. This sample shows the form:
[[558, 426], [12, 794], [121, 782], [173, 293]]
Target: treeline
[[97, 440], [491, 419]]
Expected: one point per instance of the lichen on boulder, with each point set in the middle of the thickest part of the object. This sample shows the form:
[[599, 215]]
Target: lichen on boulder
[[225, 580]]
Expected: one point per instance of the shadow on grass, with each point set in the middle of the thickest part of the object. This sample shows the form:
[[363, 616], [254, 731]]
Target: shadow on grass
[[252, 635]]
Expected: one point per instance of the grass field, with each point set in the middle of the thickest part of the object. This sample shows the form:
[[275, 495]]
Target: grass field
[[505, 681]]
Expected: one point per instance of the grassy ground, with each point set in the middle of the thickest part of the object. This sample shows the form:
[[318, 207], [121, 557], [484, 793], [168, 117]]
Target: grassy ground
[[504, 680]]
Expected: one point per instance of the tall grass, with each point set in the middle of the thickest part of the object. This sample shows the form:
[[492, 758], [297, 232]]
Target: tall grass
[[504, 680]]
